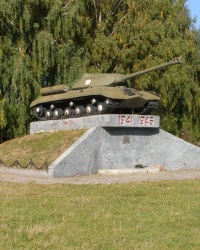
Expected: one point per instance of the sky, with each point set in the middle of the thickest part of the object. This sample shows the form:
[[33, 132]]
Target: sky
[[194, 7]]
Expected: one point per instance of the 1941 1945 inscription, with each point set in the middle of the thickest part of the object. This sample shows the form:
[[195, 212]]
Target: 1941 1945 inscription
[[142, 120]]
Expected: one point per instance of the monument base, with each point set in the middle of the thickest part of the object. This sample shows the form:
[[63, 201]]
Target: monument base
[[117, 144], [127, 121], [101, 149]]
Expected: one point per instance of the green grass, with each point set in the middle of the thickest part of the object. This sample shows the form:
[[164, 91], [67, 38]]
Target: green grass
[[157, 215], [38, 147]]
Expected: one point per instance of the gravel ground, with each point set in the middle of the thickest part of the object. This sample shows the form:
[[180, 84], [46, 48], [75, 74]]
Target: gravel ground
[[40, 177]]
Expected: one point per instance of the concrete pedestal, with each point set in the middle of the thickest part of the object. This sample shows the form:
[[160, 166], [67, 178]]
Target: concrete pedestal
[[131, 121], [119, 143]]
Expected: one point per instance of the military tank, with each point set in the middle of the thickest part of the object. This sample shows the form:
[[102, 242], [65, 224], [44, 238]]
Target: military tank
[[96, 94]]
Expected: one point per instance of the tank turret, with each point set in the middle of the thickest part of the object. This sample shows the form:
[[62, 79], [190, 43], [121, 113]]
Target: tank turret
[[112, 79], [96, 94]]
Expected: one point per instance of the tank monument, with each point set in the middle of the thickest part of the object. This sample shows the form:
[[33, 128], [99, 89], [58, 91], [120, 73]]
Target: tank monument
[[122, 134]]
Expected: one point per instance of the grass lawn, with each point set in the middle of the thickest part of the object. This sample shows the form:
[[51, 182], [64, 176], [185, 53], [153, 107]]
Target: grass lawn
[[147, 215], [38, 147]]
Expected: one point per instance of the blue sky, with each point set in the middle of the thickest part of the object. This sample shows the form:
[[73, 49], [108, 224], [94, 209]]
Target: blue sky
[[194, 7]]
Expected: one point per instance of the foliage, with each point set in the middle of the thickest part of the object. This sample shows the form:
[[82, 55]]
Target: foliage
[[3, 120], [67, 38]]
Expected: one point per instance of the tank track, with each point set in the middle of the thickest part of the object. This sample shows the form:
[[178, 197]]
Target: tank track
[[41, 118], [151, 106], [108, 109]]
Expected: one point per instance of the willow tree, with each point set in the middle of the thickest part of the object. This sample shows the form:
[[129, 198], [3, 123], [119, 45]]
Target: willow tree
[[134, 35], [47, 42], [3, 120], [40, 45]]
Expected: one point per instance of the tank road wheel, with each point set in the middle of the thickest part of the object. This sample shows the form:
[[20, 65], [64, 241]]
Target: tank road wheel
[[57, 113], [90, 109], [48, 114], [68, 112], [101, 108], [79, 111], [38, 111]]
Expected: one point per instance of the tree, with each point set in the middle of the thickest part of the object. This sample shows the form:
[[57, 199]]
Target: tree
[[140, 34], [68, 38], [3, 121], [35, 51]]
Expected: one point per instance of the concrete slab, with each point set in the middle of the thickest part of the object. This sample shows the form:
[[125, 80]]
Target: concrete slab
[[144, 121], [82, 158], [120, 149], [125, 148], [122, 171]]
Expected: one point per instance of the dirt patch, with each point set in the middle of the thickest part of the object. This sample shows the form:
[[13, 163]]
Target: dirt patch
[[41, 177]]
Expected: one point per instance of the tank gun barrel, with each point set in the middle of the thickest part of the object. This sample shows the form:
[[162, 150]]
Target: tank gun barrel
[[177, 60], [58, 89]]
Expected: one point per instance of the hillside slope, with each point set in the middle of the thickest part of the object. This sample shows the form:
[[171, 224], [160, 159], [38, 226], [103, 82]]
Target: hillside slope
[[38, 147]]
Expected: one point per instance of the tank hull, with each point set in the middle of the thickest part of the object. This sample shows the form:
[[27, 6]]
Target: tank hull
[[92, 101]]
